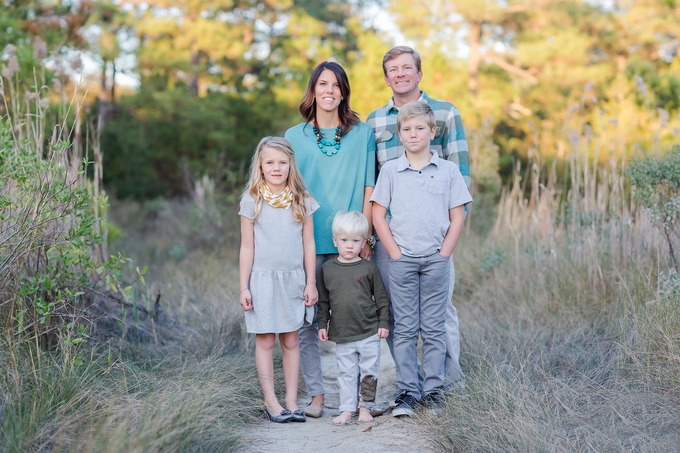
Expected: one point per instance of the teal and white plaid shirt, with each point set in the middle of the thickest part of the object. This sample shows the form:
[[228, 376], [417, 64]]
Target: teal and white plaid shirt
[[449, 141]]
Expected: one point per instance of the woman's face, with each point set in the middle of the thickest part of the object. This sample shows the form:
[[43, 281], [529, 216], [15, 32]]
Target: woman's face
[[327, 92]]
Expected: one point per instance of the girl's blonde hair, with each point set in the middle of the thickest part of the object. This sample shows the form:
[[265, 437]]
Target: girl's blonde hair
[[295, 183]]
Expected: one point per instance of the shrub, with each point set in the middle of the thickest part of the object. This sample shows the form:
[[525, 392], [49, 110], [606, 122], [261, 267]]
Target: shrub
[[657, 189]]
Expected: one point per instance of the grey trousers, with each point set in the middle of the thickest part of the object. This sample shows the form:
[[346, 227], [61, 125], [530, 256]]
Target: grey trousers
[[453, 371], [358, 358], [310, 353], [419, 302]]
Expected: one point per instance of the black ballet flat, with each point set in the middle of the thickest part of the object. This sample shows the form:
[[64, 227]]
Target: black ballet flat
[[284, 417], [298, 416]]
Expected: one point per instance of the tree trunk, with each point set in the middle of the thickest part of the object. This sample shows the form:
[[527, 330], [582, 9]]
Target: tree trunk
[[475, 58], [103, 103], [113, 83], [193, 87]]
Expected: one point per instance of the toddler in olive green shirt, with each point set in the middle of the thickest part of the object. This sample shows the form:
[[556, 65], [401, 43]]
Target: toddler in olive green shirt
[[353, 300]]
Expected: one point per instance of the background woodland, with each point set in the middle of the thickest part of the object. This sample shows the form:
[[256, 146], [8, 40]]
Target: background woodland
[[213, 77], [126, 129]]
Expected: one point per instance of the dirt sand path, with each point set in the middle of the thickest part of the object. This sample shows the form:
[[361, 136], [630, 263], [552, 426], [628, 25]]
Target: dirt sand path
[[383, 434]]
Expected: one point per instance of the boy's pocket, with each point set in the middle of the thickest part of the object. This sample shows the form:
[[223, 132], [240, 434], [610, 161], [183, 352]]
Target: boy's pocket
[[436, 187]]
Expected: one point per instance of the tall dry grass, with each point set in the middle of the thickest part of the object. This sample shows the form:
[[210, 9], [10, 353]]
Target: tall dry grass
[[570, 316], [175, 382]]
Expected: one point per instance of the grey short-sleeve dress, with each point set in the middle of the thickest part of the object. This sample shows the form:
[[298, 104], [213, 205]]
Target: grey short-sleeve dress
[[277, 279]]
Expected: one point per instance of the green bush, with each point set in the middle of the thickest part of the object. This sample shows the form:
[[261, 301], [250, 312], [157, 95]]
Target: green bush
[[657, 189]]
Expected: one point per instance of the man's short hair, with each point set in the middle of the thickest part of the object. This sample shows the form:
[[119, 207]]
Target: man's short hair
[[350, 224], [394, 52], [417, 109]]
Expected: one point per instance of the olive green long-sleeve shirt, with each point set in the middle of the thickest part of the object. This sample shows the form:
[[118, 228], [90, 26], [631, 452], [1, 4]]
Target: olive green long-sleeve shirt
[[352, 299]]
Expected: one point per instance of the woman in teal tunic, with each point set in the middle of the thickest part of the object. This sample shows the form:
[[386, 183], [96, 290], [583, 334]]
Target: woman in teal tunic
[[335, 152]]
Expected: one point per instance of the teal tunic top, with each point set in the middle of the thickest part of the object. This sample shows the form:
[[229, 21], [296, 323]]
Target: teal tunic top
[[336, 182]]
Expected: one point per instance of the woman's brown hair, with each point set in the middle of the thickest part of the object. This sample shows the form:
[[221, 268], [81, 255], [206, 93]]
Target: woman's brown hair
[[348, 117]]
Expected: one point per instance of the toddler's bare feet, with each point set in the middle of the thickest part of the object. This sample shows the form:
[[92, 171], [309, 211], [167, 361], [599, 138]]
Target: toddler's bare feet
[[365, 415], [343, 418]]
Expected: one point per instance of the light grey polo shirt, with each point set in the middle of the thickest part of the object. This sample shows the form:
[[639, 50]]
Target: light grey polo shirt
[[419, 201]]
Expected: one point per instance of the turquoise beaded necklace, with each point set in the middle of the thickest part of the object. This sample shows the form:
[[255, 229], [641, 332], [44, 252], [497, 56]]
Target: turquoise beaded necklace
[[321, 142]]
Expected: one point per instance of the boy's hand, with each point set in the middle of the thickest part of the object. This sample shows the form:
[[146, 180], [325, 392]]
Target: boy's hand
[[311, 295], [246, 300], [395, 258], [382, 333], [323, 336]]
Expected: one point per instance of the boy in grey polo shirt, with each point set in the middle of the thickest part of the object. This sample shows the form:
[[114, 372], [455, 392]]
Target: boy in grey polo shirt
[[426, 197]]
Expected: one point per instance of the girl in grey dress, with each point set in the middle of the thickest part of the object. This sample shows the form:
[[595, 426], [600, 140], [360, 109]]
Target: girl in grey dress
[[277, 265]]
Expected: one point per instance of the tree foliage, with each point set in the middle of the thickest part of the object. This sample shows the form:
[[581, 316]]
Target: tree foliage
[[216, 75]]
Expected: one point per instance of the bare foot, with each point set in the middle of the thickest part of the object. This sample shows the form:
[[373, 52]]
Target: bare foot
[[344, 417], [364, 415]]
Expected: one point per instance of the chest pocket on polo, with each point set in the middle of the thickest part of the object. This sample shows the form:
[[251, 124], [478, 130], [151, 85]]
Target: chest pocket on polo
[[434, 186]]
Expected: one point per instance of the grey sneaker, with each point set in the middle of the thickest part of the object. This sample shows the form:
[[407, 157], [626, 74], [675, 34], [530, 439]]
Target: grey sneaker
[[406, 405], [433, 401], [395, 401]]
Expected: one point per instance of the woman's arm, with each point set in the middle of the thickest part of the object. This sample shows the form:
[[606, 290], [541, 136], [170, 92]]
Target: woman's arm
[[367, 251], [309, 250], [384, 232], [245, 262]]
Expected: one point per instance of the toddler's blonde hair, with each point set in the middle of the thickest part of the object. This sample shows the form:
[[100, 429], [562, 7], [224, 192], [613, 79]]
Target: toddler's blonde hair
[[350, 224]]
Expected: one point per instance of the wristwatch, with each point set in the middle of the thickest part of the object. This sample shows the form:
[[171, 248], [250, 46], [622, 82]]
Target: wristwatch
[[370, 240]]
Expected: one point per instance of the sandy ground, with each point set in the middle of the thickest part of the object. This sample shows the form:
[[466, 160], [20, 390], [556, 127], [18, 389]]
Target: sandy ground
[[384, 434]]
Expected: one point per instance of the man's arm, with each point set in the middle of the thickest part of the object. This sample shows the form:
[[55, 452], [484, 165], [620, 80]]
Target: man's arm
[[455, 146]]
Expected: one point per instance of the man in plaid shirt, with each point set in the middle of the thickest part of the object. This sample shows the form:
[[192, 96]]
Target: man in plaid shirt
[[402, 69]]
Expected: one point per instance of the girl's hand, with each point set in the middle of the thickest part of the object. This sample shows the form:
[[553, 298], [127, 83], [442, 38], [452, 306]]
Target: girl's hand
[[246, 300], [323, 335], [311, 295], [383, 333], [366, 252]]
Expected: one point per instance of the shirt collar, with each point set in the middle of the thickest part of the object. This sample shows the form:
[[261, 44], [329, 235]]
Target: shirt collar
[[390, 105], [403, 163]]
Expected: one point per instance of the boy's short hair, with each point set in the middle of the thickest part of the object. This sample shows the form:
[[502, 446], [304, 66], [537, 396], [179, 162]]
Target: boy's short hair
[[350, 224], [417, 109], [394, 52]]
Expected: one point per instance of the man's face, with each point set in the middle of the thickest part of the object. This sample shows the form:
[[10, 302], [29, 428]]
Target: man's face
[[402, 75]]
